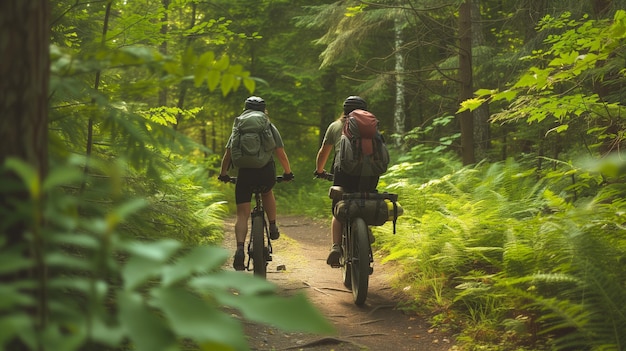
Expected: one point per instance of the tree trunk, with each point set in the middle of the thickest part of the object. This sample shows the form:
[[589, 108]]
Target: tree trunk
[[482, 133], [96, 86], [163, 48], [184, 85], [24, 84], [24, 72], [465, 77], [399, 108]]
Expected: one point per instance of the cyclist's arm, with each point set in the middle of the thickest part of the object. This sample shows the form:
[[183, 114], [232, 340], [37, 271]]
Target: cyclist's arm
[[322, 157], [225, 162], [282, 158]]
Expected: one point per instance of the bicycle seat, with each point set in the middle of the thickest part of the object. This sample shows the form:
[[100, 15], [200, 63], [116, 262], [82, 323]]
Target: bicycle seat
[[335, 192]]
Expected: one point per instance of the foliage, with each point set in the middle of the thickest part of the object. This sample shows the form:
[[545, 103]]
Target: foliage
[[498, 247], [88, 286], [572, 82]]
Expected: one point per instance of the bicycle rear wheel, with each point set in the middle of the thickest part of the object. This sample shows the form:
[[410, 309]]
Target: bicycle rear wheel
[[257, 236], [360, 260]]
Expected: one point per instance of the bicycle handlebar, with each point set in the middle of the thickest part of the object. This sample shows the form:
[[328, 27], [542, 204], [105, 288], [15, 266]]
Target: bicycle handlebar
[[325, 176], [234, 179]]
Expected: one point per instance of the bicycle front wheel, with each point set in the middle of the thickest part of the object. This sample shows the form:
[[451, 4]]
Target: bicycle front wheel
[[346, 253], [259, 262], [360, 260]]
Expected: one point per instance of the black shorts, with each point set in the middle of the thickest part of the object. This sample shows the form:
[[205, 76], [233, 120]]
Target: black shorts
[[249, 178], [354, 184]]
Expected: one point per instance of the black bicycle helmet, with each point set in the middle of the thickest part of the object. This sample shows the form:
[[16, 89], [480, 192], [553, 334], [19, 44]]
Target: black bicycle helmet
[[255, 103], [352, 103]]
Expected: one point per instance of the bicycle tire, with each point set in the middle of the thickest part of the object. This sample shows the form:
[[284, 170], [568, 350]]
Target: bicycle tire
[[360, 261], [259, 262], [346, 271]]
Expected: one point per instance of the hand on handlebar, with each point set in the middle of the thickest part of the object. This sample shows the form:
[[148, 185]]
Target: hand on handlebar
[[323, 175], [224, 178], [288, 177]]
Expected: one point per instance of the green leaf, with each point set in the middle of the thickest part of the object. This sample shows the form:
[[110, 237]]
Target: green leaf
[[222, 64], [106, 334], [11, 262], [57, 337], [213, 79], [61, 176], [59, 259], [227, 83], [292, 314], [250, 84], [198, 260], [559, 129], [193, 318], [508, 95], [471, 104], [159, 251], [27, 173], [138, 269], [146, 329], [11, 295], [226, 280], [13, 324]]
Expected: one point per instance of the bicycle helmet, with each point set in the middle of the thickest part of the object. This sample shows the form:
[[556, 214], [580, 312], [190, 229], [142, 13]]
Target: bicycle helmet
[[352, 103], [255, 103]]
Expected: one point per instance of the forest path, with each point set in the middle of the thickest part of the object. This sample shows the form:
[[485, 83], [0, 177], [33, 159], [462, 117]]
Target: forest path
[[299, 264]]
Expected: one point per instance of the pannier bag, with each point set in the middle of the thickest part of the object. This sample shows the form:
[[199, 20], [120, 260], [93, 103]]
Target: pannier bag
[[374, 212]]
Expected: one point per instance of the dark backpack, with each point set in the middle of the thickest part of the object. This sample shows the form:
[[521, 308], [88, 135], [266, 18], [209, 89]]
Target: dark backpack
[[252, 142], [362, 150]]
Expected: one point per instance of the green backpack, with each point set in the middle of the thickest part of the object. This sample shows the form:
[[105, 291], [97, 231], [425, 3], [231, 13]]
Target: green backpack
[[252, 142]]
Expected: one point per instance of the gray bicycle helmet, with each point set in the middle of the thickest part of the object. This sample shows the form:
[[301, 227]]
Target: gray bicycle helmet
[[255, 103], [352, 103]]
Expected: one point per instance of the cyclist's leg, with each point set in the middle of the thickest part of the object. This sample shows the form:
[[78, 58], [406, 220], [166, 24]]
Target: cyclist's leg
[[343, 180], [241, 223], [243, 196], [267, 177]]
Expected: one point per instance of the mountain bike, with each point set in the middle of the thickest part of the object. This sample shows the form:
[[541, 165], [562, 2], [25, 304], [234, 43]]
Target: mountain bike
[[357, 212], [259, 245]]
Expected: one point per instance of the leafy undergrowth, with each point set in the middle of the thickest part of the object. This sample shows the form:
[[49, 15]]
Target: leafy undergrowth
[[513, 259]]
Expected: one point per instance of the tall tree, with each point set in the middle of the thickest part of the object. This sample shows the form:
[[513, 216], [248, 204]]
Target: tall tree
[[465, 79], [24, 68], [399, 116]]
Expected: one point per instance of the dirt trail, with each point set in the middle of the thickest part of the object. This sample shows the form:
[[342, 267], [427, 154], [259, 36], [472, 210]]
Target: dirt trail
[[378, 325]]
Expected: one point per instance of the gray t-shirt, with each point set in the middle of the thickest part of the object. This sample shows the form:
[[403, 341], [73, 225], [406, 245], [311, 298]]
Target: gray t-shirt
[[333, 133]]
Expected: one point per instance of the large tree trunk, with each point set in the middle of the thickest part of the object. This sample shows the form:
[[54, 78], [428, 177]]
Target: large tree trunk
[[24, 68], [465, 76], [24, 75], [399, 115]]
